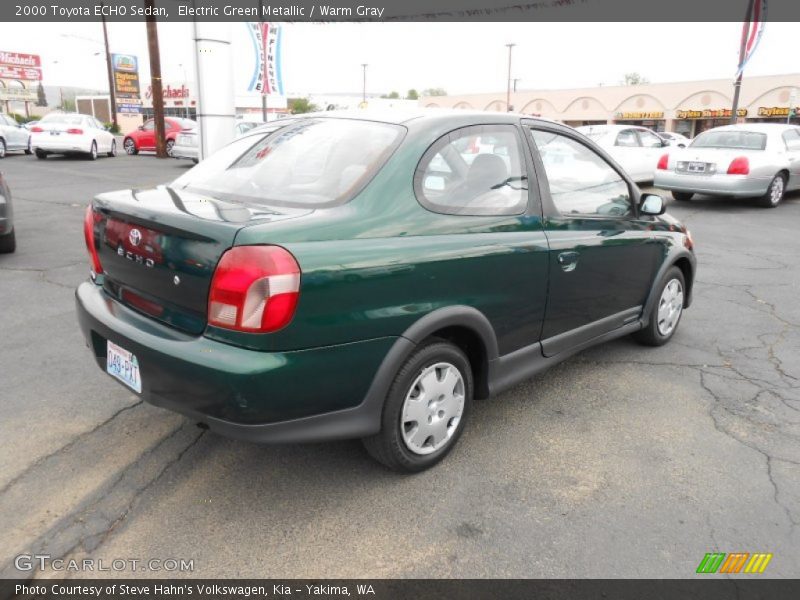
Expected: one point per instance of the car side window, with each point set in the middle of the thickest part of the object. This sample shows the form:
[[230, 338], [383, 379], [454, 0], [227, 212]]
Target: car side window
[[792, 140], [581, 181], [478, 170], [149, 125], [627, 138], [649, 139]]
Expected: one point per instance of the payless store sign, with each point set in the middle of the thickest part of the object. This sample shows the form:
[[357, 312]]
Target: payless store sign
[[126, 76], [709, 113]]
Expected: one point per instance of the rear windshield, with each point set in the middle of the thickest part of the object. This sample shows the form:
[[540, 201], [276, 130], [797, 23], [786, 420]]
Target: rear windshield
[[306, 163], [743, 140], [66, 119], [186, 123]]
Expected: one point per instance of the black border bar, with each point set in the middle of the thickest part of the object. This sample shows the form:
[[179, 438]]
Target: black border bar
[[598, 11]]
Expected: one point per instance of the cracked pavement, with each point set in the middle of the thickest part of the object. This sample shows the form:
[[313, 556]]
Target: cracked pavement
[[623, 461]]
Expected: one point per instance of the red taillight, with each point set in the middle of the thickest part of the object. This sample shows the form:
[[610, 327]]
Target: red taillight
[[89, 221], [662, 163], [739, 166], [36, 129], [75, 130], [254, 289]]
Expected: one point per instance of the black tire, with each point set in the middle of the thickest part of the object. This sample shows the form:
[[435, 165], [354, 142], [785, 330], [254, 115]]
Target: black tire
[[169, 146], [651, 335], [28, 149], [2, 148], [8, 243], [130, 147], [41, 153], [775, 192], [388, 446], [195, 160], [113, 152], [682, 196], [93, 151]]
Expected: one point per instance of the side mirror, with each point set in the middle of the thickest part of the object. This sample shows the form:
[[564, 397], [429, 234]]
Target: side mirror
[[140, 128], [652, 204], [681, 145]]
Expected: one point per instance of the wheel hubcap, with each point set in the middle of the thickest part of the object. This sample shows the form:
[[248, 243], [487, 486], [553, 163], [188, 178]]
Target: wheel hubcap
[[432, 409], [670, 306], [777, 190], [129, 147]]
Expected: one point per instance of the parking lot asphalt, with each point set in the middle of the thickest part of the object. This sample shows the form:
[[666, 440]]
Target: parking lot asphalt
[[624, 461]]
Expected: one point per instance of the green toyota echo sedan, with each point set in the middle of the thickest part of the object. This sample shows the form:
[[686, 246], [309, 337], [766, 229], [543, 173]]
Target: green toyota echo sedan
[[358, 275]]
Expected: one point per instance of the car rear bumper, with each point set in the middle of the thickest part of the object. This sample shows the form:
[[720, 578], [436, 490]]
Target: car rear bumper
[[299, 396], [61, 143], [740, 186], [189, 152]]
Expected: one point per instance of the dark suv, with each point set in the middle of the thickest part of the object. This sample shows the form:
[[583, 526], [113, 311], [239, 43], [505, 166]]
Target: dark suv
[[368, 276]]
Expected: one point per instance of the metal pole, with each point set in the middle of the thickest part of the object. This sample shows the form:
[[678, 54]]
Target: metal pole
[[155, 77], [110, 70], [792, 100], [508, 88], [364, 85], [737, 85]]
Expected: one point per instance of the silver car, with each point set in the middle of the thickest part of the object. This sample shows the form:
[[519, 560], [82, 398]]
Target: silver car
[[758, 160], [7, 240], [13, 136]]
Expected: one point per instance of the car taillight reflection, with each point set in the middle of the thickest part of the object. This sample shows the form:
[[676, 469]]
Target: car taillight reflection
[[89, 221]]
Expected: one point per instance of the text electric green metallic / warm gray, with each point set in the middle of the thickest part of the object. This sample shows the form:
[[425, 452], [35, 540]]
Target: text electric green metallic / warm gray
[[368, 276]]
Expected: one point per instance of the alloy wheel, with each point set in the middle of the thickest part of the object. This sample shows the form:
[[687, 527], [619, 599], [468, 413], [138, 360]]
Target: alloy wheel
[[130, 147], [432, 408], [2, 148], [670, 306], [776, 190]]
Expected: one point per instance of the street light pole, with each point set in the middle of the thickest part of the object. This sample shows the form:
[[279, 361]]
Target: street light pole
[[737, 85], [508, 88], [110, 72], [364, 85]]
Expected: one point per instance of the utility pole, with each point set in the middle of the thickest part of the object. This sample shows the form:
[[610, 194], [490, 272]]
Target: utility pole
[[508, 89], [155, 77], [737, 85], [111, 94], [364, 85]]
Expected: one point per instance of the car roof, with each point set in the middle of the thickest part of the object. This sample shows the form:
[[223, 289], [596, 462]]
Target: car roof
[[756, 127], [402, 116]]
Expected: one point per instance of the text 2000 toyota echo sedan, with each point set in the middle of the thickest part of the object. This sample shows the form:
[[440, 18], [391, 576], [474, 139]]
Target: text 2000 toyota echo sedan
[[362, 276]]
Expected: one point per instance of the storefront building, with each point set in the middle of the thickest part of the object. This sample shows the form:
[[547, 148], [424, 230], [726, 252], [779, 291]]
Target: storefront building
[[687, 107]]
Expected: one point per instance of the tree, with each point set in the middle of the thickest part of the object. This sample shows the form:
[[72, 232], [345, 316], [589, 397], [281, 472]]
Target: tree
[[412, 94], [635, 79], [391, 95], [434, 92], [41, 98], [301, 105]]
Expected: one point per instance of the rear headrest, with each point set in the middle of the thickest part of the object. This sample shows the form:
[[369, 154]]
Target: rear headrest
[[487, 170]]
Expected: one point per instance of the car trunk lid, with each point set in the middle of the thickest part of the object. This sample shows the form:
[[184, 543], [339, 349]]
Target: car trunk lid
[[159, 247]]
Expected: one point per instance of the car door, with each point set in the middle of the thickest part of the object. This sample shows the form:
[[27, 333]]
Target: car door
[[792, 140], [603, 257], [652, 148], [627, 152], [16, 136], [147, 139]]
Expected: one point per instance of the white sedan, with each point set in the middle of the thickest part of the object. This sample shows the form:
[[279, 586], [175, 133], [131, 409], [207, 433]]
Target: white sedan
[[675, 139], [72, 133], [186, 141], [636, 149]]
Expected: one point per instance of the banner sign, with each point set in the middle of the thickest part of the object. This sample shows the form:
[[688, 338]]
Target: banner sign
[[267, 77], [126, 75], [24, 67], [18, 95]]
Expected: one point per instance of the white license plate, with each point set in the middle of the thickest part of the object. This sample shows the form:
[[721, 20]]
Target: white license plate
[[696, 167], [123, 365]]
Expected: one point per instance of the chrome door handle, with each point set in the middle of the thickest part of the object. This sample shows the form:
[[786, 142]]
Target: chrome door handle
[[568, 261]]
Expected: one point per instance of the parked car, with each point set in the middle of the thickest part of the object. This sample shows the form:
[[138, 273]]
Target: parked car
[[8, 242], [13, 136], [752, 160], [144, 138], [72, 133], [351, 275], [637, 149], [186, 142], [675, 139], [30, 124]]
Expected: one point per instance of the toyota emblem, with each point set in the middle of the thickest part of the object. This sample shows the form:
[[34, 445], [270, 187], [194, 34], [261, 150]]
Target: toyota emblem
[[135, 236]]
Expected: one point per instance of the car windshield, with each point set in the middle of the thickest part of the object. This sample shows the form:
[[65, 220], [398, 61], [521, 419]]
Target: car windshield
[[307, 163], [727, 138], [65, 119]]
